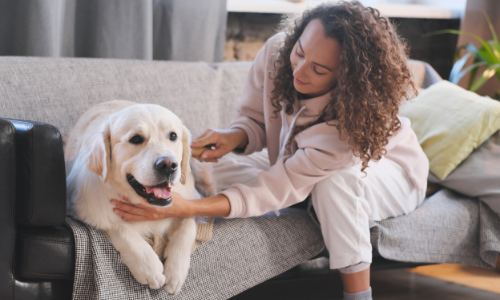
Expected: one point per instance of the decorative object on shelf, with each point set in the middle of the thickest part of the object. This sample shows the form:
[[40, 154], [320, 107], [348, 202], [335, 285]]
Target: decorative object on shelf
[[488, 56]]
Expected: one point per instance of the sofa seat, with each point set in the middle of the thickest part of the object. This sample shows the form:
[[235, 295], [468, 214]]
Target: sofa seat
[[48, 253]]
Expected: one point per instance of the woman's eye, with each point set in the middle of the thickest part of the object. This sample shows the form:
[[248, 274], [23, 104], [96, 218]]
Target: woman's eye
[[136, 139], [173, 136], [316, 71], [297, 52]]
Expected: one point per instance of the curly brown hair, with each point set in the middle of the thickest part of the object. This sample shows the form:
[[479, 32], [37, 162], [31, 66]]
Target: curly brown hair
[[372, 80]]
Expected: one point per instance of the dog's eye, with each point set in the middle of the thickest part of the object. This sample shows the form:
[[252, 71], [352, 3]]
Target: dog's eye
[[173, 136], [136, 139]]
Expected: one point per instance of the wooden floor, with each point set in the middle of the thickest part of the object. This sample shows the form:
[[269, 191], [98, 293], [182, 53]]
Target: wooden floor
[[443, 282], [488, 280]]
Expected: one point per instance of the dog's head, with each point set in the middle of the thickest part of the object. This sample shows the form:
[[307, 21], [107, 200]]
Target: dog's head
[[142, 151]]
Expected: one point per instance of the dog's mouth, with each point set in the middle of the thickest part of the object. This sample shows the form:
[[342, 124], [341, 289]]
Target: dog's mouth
[[160, 194]]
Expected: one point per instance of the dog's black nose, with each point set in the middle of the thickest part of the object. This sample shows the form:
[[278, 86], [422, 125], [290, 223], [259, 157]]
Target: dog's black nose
[[166, 164]]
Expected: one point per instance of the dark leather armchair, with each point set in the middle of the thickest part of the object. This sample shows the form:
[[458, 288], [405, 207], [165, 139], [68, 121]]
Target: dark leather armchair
[[37, 250]]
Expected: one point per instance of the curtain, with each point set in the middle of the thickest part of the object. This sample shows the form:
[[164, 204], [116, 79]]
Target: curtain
[[186, 30]]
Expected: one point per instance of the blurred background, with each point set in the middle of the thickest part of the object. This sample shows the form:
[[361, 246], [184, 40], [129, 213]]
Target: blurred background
[[218, 30]]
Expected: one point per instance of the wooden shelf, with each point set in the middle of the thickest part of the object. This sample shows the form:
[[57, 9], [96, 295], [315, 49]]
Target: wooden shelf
[[387, 9]]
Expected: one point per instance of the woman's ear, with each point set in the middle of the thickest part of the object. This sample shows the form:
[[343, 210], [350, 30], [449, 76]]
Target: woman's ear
[[186, 153], [99, 159]]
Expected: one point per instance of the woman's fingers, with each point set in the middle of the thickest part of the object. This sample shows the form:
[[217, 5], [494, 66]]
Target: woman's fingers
[[128, 216], [207, 138], [133, 209], [201, 143], [124, 198], [137, 211], [144, 212], [213, 155], [130, 212]]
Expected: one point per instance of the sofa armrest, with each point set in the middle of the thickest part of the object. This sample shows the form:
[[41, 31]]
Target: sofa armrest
[[41, 175], [7, 200], [423, 74]]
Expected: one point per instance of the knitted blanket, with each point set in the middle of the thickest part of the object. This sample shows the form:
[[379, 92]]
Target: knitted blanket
[[242, 253]]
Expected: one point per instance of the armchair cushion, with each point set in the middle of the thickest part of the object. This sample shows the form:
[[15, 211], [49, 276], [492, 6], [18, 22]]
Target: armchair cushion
[[45, 253]]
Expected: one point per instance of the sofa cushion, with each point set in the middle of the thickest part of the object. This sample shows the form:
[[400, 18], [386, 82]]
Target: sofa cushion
[[479, 175], [450, 123], [41, 175], [59, 91], [45, 253]]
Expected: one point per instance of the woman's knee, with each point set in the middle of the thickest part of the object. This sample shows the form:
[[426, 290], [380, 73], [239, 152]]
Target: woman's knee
[[341, 184]]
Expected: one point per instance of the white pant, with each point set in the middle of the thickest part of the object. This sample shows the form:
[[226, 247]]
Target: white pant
[[348, 199], [344, 202]]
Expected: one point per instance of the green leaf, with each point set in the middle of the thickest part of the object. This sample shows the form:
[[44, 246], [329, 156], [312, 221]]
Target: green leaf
[[467, 69], [496, 45], [457, 52], [487, 74], [487, 56], [486, 46], [473, 73], [457, 67]]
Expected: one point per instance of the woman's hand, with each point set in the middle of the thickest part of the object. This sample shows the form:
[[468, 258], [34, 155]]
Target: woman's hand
[[142, 212], [225, 141], [217, 205]]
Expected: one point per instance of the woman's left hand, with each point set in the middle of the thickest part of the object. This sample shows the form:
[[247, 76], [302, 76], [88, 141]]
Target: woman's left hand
[[143, 212]]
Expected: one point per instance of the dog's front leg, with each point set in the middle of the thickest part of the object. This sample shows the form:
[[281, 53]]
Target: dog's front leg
[[138, 256], [177, 254]]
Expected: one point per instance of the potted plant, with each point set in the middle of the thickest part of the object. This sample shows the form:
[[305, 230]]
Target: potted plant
[[488, 56]]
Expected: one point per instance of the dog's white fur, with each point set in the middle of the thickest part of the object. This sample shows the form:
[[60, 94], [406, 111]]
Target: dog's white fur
[[99, 155]]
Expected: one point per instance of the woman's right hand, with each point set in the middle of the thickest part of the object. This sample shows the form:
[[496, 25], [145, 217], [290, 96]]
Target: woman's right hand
[[224, 140]]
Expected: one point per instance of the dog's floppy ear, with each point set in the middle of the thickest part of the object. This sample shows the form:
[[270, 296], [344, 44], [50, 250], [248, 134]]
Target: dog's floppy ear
[[186, 153], [99, 159]]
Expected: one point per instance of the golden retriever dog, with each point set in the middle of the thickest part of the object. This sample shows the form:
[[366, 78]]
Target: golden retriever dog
[[140, 151]]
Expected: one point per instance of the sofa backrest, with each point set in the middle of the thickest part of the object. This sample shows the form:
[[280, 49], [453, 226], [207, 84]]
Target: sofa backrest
[[59, 90]]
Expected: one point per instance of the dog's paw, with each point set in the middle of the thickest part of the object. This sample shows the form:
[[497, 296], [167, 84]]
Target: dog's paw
[[154, 281], [175, 275], [148, 271]]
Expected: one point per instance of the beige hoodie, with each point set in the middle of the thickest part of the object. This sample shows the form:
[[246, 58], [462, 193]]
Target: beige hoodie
[[315, 153]]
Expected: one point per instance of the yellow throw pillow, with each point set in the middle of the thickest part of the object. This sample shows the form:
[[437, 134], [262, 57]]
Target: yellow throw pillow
[[450, 123]]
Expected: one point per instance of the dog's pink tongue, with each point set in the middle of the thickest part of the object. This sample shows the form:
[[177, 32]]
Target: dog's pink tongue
[[160, 192]]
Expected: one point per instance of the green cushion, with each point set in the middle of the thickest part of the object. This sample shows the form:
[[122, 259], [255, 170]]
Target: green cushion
[[450, 123]]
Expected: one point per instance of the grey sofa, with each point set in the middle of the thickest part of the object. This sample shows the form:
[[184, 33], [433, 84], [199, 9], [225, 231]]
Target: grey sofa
[[57, 91]]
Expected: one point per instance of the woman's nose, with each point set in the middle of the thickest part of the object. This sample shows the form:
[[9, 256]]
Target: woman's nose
[[299, 69]]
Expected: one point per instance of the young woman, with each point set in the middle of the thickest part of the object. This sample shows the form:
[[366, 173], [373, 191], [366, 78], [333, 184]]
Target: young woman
[[323, 99]]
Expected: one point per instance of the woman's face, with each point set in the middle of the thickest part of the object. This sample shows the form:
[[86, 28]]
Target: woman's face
[[315, 60]]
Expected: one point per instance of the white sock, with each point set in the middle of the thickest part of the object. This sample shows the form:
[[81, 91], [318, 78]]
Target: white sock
[[366, 295]]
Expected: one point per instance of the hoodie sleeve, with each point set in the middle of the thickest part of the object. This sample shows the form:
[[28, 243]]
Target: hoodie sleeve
[[250, 107], [320, 153]]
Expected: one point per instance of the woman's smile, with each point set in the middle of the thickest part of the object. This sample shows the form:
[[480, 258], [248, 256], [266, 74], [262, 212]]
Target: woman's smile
[[297, 81]]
